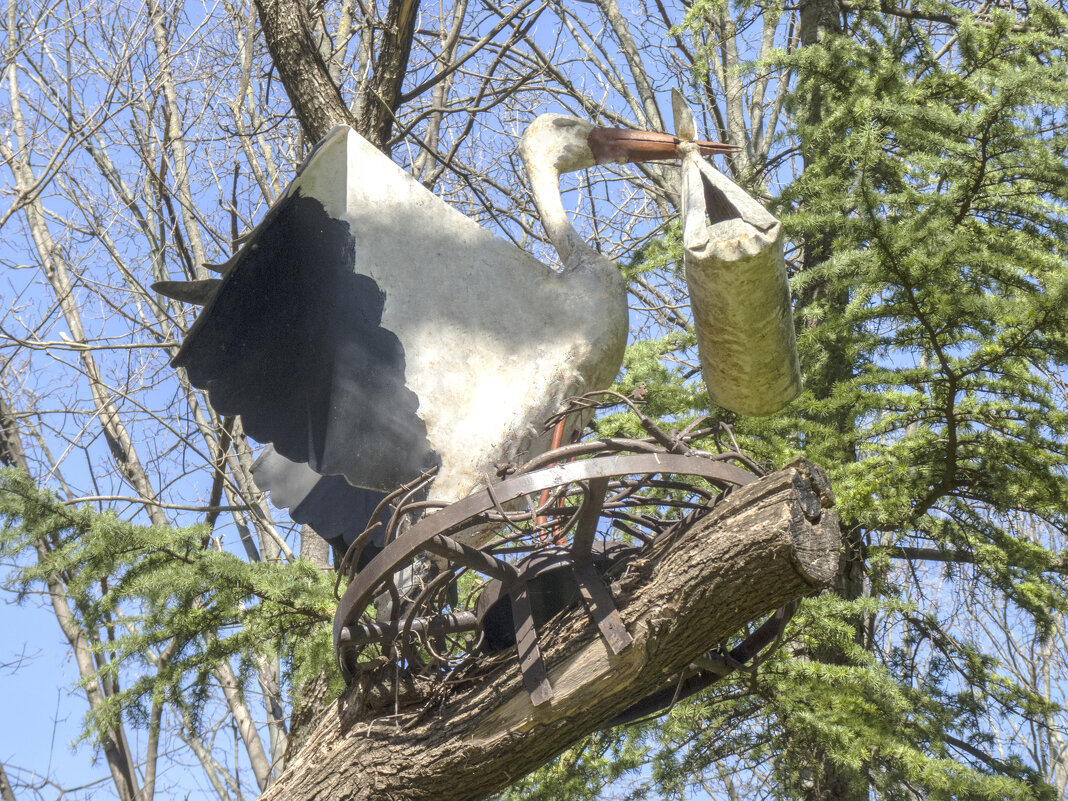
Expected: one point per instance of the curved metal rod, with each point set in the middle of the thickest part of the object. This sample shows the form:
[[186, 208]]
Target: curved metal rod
[[719, 666], [398, 552], [353, 552]]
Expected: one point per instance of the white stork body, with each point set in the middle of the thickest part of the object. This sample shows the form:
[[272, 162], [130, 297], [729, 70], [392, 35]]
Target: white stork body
[[493, 339], [369, 331]]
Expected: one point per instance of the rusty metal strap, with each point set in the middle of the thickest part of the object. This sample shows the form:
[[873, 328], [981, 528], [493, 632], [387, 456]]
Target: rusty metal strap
[[600, 606], [532, 666], [398, 553]]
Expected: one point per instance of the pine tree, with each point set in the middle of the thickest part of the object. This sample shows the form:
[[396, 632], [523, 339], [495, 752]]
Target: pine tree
[[931, 220], [170, 605]]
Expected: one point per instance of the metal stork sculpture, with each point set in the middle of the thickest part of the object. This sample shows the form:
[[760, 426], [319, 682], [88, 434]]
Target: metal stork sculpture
[[369, 332], [372, 335]]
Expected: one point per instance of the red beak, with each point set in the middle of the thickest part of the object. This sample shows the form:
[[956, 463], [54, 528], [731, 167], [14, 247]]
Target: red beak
[[621, 145]]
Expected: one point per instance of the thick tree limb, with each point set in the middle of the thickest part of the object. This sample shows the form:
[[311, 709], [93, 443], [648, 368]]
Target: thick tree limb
[[947, 555], [925, 16], [767, 544], [316, 99], [390, 66]]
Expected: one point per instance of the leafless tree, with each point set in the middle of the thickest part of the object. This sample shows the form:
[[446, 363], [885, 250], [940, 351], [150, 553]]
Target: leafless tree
[[139, 141]]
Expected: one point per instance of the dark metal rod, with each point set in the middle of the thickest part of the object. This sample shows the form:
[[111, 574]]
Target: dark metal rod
[[448, 548], [365, 633], [588, 515]]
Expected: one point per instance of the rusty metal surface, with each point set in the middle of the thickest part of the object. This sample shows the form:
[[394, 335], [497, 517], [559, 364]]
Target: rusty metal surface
[[598, 602], [549, 529], [532, 666], [444, 623], [397, 554]]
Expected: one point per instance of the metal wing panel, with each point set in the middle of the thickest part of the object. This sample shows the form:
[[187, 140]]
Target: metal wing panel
[[293, 342], [335, 509]]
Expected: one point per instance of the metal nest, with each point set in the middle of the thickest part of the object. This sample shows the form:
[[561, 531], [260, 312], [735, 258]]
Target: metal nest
[[468, 586]]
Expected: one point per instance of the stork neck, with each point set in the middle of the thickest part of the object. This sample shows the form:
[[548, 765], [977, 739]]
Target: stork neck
[[545, 186]]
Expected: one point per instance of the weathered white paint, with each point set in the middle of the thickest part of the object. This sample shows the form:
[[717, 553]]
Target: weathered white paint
[[739, 292], [494, 340]]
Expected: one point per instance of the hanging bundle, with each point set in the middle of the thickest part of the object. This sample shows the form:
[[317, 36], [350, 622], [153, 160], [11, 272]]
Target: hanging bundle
[[739, 292]]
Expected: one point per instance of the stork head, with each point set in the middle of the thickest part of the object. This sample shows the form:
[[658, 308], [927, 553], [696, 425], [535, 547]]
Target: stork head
[[563, 144], [557, 142], [554, 144]]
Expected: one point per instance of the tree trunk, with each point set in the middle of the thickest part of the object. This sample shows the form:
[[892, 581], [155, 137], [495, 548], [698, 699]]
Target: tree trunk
[[390, 67], [6, 793], [316, 99], [831, 781], [11, 451], [765, 545]]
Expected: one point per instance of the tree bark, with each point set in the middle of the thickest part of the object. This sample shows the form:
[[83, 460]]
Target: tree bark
[[390, 67], [316, 99], [767, 544], [11, 451], [6, 793]]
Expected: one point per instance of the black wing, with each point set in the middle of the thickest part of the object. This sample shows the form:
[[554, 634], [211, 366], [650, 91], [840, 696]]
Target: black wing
[[292, 341], [336, 510]]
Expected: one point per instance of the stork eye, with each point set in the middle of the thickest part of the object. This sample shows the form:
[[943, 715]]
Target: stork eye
[[565, 122]]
